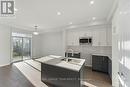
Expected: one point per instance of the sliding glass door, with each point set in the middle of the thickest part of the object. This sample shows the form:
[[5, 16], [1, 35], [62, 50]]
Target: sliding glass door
[[26, 48], [21, 48], [17, 49]]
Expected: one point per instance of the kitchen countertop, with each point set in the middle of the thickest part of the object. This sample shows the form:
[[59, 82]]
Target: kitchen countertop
[[60, 63], [101, 54]]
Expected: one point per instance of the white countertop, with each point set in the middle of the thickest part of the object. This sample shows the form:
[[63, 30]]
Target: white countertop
[[57, 62], [71, 66], [102, 54]]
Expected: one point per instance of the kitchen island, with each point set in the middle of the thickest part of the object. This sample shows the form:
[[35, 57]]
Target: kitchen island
[[62, 72]]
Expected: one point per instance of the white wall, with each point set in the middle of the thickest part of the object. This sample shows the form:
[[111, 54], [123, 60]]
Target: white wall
[[121, 44], [37, 46], [42, 45], [52, 43], [5, 46]]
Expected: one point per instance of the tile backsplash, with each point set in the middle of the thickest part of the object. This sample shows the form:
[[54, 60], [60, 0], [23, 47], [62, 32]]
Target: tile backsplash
[[87, 50], [92, 49]]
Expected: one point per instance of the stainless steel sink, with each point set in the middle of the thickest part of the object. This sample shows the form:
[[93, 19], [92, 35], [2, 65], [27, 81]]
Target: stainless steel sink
[[72, 61]]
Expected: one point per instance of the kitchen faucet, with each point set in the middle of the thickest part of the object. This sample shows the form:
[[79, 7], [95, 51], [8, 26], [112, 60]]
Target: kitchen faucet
[[72, 51]]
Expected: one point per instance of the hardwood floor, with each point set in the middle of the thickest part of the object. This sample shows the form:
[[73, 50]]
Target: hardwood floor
[[10, 76], [96, 79]]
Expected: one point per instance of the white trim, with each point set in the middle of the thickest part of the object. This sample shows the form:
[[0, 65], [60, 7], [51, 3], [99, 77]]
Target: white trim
[[114, 7]]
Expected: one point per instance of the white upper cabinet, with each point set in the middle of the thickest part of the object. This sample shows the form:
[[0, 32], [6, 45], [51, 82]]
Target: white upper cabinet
[[109, 36], [95, 38], [100, 36], [72, 38]]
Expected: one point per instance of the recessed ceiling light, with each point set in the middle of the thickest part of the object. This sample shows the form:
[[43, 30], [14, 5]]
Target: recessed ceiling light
[[93, 18], [91, 2], [70, 23], [58, 13], [72, 26]]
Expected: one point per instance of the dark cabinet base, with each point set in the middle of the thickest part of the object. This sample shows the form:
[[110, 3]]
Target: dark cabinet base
[[60, 77], [100, 63]]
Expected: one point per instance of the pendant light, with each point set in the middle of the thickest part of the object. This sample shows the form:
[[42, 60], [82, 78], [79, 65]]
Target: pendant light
[[35, 32]]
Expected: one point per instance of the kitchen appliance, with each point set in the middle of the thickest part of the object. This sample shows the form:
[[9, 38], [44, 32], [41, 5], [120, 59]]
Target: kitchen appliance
[[85, 41]]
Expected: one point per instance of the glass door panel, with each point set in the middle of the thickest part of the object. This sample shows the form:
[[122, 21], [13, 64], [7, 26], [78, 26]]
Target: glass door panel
[[17, 49], [26, 48]]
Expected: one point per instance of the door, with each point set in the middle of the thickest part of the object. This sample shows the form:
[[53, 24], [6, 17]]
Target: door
[[124, 40], [26, 48], [17, 49], [21, 48]]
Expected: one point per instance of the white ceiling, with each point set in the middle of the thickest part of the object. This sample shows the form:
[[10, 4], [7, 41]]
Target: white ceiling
[[44, 12]]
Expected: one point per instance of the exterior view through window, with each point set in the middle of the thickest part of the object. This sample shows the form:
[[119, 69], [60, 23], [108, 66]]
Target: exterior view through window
[[21, 44]]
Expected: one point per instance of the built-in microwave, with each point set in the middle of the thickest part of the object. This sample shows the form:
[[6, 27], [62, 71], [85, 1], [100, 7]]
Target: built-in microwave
[[85, 40]]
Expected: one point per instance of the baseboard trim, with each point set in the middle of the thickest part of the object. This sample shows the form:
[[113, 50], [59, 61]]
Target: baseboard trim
[[4, 65]]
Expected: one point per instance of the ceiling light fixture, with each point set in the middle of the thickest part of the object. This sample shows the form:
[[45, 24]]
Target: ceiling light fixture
[[58, 13], [93, 18], [35, 32], [91, 2]]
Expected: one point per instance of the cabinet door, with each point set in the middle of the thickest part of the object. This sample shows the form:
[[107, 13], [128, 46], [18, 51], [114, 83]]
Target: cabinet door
[[76, 38], [72, 38], [110, 68], [99, 38], [97, 63], [102, 38], [105, 64], [109, 36], [96, 39]]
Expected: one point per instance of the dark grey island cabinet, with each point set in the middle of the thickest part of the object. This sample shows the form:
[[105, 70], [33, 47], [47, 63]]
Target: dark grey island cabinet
[[55, 76]]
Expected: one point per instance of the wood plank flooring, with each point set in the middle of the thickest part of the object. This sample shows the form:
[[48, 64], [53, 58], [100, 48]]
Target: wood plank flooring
[[10, 76], [97, 79]]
